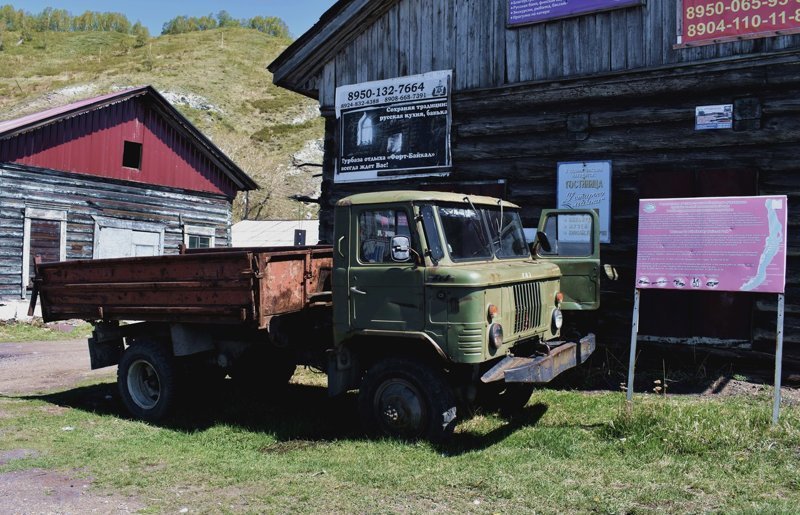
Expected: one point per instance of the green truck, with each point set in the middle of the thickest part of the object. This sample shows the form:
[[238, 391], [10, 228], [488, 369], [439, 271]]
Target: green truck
[[428, 303]]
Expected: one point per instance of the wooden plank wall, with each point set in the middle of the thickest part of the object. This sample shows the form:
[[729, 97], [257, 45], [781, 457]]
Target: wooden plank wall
[[84, 197], [644, 123], [470, 37]]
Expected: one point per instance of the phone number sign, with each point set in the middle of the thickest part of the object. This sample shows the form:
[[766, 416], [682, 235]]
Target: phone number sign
[[704, 22]]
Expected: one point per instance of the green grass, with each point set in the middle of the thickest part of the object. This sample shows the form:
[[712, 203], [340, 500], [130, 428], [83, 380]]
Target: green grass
[[29, 332], [301, 452], [227, 67]]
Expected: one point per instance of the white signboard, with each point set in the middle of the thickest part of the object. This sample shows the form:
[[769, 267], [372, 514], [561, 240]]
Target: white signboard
[[713, 117], [394, 128], [587, 185]]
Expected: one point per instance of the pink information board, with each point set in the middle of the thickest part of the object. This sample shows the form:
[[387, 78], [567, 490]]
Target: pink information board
[[718, 243]]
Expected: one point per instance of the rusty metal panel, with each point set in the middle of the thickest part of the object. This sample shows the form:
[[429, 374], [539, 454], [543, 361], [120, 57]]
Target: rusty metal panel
[[543, 368], [216, 286]]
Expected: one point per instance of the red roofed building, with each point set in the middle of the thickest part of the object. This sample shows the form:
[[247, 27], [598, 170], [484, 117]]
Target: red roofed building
[[123, 174]]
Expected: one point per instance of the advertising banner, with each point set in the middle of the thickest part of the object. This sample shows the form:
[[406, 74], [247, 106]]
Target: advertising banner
[[703, 22], [721, 243], [523, 12], [393, 128], [587, 185]]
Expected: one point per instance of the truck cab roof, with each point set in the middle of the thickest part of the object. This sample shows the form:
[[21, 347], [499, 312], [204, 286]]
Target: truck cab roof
[[419, 196]]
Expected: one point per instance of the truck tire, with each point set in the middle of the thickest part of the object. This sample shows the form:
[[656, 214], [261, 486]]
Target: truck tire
[[506, 398], [146, 378], [408, 400]]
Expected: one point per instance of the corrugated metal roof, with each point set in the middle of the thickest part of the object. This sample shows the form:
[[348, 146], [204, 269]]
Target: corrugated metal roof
[[272, 233], [31, 121]]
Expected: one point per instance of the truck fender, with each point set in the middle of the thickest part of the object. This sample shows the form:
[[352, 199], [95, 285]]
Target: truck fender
[[347, 362], [190, 339]]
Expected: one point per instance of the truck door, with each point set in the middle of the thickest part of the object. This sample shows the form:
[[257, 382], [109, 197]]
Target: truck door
[[573, 238], [385, 290]]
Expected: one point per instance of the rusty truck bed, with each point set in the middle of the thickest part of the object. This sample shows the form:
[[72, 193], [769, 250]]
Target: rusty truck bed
[[227, 286]]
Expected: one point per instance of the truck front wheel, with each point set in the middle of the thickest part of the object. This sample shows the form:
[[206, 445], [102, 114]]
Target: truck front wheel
[[146, 379], [408, 400]]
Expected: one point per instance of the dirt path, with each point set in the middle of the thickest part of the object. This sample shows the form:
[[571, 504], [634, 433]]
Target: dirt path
[[34, 367]]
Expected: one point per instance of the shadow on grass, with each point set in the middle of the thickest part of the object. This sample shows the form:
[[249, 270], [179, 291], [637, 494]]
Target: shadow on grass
[[463, 443], [684, 370], [296, 413]]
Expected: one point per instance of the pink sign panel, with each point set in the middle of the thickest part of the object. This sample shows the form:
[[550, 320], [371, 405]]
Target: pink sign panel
[[705, 244]]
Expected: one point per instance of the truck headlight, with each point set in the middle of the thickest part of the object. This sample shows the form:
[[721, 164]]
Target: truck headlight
[[496, 335], [558, 319]]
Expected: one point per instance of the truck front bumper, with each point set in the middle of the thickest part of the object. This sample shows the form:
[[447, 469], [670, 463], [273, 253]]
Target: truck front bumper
[[542, 368]]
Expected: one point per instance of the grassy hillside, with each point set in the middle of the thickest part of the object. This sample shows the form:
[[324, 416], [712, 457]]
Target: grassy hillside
[[216, 78]]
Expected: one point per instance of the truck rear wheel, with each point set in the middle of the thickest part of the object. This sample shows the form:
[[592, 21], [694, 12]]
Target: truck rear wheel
[[146, 378], [407, 400]]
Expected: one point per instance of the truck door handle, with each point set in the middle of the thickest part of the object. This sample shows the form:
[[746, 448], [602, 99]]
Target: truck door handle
[[357, 291]]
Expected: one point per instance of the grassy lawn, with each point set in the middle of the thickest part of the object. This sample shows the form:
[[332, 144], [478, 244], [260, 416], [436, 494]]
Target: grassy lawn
[[29, 332], [301, 452]]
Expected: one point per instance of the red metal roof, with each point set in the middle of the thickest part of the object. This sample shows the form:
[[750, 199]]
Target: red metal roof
[[178, 154]]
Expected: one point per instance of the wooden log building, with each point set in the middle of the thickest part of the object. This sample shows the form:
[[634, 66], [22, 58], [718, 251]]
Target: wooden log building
[[119, 175], [611, 83]]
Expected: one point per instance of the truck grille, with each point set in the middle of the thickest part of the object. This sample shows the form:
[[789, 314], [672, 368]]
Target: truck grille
[[527, 306]]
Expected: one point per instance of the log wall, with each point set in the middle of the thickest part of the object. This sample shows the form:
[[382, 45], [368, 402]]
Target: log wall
[[83, 198]]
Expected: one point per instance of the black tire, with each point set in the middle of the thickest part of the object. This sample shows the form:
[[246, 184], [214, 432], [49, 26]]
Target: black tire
[[147, 381], [506, 398], [407, 400]]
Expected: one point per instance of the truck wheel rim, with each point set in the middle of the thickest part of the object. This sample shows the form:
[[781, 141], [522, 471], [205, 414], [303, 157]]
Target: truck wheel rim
[[144, 384], [400, 408]]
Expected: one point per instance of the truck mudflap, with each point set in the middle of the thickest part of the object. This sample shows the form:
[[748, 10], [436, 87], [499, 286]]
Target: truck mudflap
[[542, 368]]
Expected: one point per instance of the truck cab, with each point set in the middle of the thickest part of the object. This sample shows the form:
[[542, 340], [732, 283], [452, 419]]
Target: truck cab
[[448, 279]]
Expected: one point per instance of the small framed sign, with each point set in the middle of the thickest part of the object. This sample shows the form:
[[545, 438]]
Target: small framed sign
[[587, 185], [713, 117]]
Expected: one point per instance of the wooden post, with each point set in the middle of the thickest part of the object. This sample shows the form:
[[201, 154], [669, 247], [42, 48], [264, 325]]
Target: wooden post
[[776, 408], [634, 337]]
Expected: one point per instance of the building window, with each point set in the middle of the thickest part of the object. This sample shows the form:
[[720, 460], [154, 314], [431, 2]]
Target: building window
[[199, 242], [132, 155], [198, 237], [45, 236]]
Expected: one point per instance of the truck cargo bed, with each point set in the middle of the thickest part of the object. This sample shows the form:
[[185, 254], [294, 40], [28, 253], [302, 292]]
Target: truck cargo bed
[[226, 286]]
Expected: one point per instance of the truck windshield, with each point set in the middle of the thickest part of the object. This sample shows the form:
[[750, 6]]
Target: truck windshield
[[482, 233]]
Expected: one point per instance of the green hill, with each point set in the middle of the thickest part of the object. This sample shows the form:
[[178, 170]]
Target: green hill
[[216, 78]]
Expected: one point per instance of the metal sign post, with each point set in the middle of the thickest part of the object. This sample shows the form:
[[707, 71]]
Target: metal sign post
[[634, 337], [776, 408]]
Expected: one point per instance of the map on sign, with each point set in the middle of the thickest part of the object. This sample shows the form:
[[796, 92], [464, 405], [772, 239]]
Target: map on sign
[[721, 243]]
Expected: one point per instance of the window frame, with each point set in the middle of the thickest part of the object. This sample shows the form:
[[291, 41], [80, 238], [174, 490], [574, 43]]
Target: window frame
[[200, 231]]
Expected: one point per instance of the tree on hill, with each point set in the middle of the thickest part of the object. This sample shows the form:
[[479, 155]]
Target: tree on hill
[[61, 20], [141, 33], [270, 25]]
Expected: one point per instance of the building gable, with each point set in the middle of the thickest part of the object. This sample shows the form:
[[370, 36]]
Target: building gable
[[134, 136]]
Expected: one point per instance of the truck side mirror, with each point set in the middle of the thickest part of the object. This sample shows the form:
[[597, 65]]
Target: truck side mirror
[[401, 249], [542, 242]]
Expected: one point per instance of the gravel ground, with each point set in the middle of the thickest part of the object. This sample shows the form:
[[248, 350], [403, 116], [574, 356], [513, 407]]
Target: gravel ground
[[35, 367]]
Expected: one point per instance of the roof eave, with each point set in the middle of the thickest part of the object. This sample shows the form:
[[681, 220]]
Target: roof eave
[[338, 26]]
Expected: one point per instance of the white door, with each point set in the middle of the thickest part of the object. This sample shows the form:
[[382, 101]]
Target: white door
[[113, 242]]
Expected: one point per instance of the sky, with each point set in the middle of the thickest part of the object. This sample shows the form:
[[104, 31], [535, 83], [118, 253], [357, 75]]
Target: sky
[[299, 15]]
